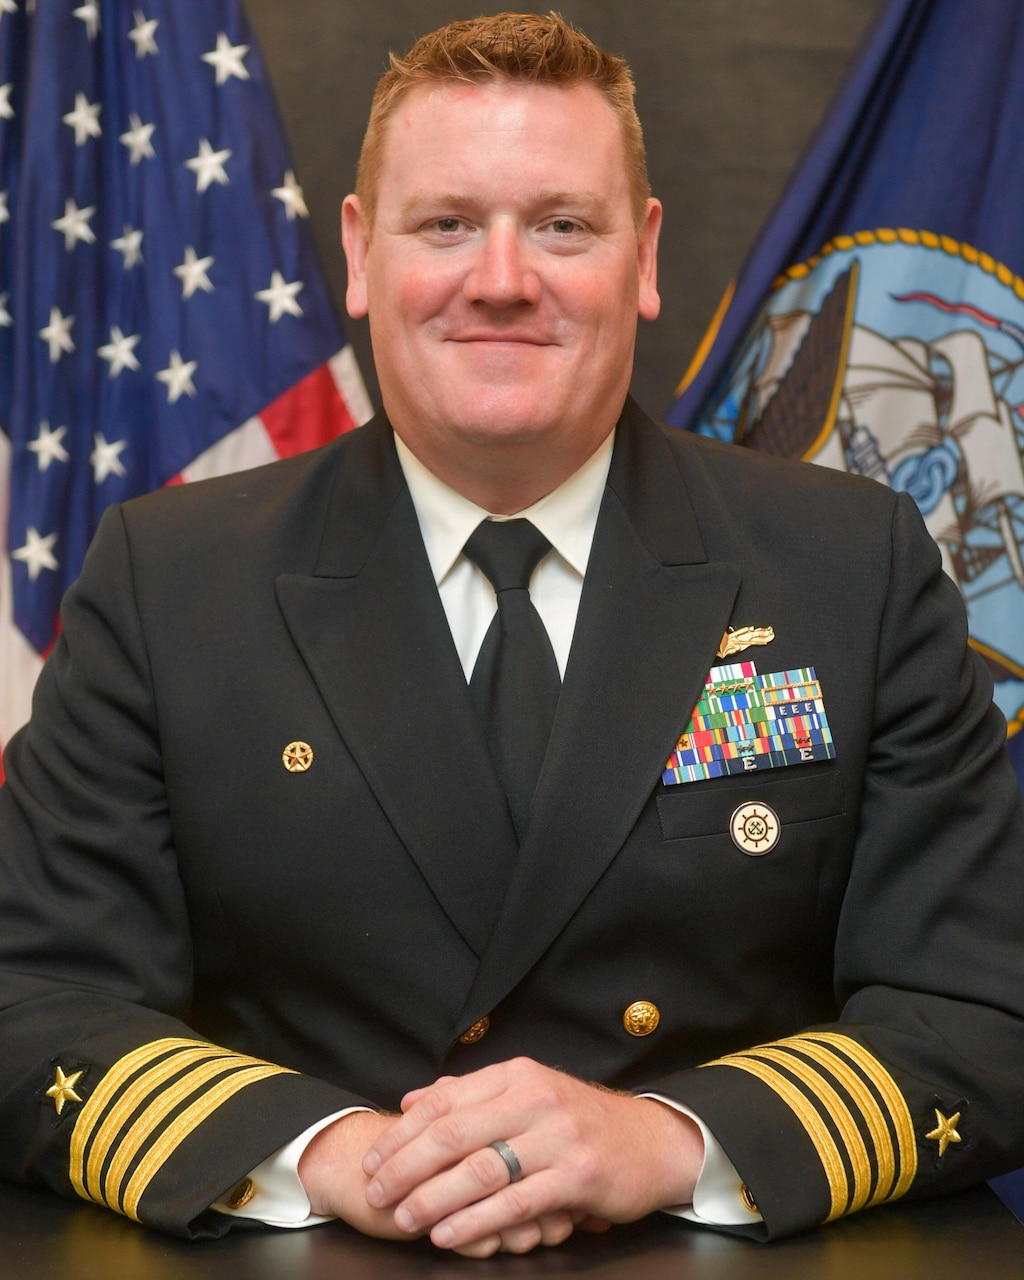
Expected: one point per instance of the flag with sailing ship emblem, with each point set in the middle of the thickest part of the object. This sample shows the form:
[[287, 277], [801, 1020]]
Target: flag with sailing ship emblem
[[878, 324], [163, 316]]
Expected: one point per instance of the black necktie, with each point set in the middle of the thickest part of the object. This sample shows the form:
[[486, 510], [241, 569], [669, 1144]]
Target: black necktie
[[515, 681]]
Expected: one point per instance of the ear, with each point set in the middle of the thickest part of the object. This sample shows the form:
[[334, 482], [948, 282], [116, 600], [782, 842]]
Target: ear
[[647, 255], [355, 239]]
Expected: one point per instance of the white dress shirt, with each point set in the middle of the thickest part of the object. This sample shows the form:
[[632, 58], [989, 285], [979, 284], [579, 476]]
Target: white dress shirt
[[567, 517]]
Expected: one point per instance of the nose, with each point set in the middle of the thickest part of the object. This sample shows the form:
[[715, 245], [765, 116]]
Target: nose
[[503, 273]]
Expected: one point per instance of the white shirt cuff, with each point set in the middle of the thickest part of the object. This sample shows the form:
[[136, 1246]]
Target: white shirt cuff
[[278, 1198], [718, 1195]]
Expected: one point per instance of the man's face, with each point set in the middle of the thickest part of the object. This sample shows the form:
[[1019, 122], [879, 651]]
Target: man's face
[[504, 274]]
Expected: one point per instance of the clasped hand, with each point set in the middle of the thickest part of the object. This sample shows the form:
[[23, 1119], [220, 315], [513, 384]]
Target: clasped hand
[[589, 1156]]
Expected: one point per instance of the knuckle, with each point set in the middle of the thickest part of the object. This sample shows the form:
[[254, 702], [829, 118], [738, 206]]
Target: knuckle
[[523, 1239], [519, 1203], [556, 1227], [582, 1169], [448, 1132], [436, 1104], [483, 1169], [521, 1068]]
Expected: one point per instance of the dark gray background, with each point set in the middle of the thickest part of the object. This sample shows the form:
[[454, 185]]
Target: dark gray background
[[729, 92]]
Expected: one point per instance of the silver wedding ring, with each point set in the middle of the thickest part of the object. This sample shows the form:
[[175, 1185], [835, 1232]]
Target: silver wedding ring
[[515, 1169]]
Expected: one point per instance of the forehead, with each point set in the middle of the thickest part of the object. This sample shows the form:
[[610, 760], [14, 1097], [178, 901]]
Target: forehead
[[474, 128]]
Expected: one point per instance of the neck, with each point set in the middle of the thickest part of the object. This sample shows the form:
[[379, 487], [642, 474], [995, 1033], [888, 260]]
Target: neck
[[506, 479]]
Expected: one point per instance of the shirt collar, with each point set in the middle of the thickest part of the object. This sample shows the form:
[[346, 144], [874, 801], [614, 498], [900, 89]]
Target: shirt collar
[[567, 516]]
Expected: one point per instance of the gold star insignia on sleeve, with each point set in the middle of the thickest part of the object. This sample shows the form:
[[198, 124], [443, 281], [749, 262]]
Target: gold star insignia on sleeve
[[63, 1089], [945, 1131]]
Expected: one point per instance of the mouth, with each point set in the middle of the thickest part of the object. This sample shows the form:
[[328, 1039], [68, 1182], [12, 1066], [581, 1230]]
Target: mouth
[[501, 339]]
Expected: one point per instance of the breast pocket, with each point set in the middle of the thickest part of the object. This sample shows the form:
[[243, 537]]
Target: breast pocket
[[717, 807]]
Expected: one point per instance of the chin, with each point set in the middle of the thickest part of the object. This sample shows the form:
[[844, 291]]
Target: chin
[[506, 418], [505, 429]]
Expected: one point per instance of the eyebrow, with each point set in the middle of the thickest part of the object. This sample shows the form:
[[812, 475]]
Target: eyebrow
[[455, 200]]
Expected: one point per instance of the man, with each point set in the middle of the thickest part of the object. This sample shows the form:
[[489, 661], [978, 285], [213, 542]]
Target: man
[[258, 806]]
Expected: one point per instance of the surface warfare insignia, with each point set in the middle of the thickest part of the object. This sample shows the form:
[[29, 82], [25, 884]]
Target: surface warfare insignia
[[745, 723], [736, 639]]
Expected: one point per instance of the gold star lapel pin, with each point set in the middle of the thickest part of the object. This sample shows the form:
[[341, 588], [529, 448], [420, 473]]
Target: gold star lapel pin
[[737, 639], [297, 757], [63, 1089], [945, 1131]]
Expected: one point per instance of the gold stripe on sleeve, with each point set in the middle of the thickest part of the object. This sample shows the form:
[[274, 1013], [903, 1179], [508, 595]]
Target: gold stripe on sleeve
[[186, 1124], [814, 1126], [815, 1082], [870, 1102], [105, 1092], [127, 1121], [143, 1129], [894, 1100], [870, 1109]]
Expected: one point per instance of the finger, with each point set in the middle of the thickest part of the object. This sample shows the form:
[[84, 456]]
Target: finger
[[535, 1199], [595, 1225], [555, 1228], [425, 1107], [456, 1136], [521, 1239], [484, 1248], [479, 1176], [550, 1230]]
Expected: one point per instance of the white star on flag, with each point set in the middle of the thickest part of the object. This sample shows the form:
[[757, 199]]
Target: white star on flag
[[192, 274], [58, 334], [280, 297], [6, 319], [75, 225], [5, 213], [120, 351], [227, 58], [37, 553], [177, 378], [142, 34], [105, 458], [7, 6], [47, 446], [89, 14], [290, 195], [130, 244], [137, 139], [6, 110], [208, 166], [85, 119]]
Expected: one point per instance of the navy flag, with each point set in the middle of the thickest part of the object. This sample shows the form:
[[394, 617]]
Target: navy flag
[[163, 315], [878, 324]]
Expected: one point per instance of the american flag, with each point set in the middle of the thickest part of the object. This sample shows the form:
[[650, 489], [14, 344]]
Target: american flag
[[163, 316]]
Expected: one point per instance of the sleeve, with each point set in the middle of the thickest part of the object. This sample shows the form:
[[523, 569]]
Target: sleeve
[[272, 1193], [918, 1086], [106, 1090], [720, 1198]]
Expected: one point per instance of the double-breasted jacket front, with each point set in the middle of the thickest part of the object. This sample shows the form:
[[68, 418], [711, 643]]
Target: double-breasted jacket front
[[215, 949]]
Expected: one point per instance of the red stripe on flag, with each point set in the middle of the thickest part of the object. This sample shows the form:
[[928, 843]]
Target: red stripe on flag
[[307, 415]]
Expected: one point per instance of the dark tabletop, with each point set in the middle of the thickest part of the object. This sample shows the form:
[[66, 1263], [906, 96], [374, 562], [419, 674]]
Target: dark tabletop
[[968, 1235]]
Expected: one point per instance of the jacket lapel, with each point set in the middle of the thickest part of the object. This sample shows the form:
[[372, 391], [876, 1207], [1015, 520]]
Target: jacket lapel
[[371, 628], [651, 617]]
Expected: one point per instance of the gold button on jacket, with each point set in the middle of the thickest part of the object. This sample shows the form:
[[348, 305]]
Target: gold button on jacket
[[641, 1018], [476, 1032]]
